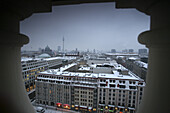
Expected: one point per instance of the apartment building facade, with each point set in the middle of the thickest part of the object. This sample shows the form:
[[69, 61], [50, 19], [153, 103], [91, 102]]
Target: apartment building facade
[[30, 68], [89, 92], [119, 95]]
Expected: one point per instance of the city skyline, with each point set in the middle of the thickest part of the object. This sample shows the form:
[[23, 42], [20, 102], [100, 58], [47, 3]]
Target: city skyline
[[88, 26]]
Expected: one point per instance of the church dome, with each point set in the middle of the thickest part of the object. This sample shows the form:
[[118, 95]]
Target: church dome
[[47, 48]]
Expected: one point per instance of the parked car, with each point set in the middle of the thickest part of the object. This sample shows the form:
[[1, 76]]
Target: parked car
[[40, 109]]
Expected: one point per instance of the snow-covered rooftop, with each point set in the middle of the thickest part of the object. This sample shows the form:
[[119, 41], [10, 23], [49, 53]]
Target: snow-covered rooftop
[[24, 59], [119, 72], [115, 75], [61, 69], [63, 58], [67, 67], [141, 64], [84, 68], [133, 58], [47, 59], [120, 57], [102, 65], [122, 54]]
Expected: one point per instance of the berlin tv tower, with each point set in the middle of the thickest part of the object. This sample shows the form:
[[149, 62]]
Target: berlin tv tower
[[63, 44]]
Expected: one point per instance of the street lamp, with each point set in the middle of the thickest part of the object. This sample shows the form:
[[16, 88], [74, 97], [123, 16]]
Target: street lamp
[[116, 110]]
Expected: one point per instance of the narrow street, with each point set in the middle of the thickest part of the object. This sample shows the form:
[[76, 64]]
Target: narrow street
[[50, 109]]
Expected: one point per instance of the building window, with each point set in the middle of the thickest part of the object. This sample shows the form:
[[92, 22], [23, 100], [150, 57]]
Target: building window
[[134, 93], [140, 93], [103, 98], [130, 92], [141, 89], [132, 87]]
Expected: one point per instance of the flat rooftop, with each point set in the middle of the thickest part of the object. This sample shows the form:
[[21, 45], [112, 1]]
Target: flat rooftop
[[115, 75], [47, 59], [122, 54], [63, 58]]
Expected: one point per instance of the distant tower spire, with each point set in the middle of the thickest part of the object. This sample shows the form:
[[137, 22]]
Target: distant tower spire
[[63, 43]]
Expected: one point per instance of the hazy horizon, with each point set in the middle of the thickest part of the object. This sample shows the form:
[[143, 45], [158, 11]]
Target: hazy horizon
[[96, 26]]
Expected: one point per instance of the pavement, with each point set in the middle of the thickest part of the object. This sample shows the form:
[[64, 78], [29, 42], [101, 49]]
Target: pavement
[[51, 109], [56, 111]]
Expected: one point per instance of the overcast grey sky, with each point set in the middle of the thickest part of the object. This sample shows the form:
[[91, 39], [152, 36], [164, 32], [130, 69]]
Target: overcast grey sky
[[88, 26]]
